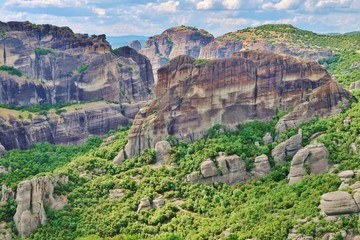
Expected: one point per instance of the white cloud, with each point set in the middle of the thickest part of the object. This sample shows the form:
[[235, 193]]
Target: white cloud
[[99, 11], [333, 3], [205, 4], [169, 6], [231, 4], [227, 21], [44, 3], [281, 5]]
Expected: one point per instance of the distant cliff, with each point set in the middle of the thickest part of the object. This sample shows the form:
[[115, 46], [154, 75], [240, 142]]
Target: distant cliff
[[70, 67], [193, 95], [173, 42]]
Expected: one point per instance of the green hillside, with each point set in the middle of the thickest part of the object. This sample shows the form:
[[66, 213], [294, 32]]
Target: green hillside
[[264, 209]]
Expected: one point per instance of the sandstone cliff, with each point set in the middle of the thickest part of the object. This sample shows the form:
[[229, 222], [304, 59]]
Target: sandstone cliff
[[173, 42], [192, 96], [71, 67], [31, 198], [70, 127]]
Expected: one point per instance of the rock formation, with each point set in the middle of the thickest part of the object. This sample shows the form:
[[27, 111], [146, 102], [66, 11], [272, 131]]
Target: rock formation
[[69, 67], [174, 42], [262, 166], [355, 85], [191, 97], [135, 45], [70, 127], [310, 159], [231, 170], [287, 148], [338, 203], [31, 197], [162, 149], [144, 205]]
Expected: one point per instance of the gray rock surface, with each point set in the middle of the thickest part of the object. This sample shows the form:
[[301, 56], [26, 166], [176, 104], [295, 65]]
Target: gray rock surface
[[31, 197], [310, 159], [116, 193], [287, 148], [135, 45], [2, 150], [208, 169], [355, 85], [6, 194], [144, 205], [267, 139], [262, 166], [158, 202], [5, 231], [338, 203], [162, 149]]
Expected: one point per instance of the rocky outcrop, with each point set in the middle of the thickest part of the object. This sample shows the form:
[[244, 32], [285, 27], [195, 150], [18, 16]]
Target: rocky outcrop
[[144, 205], [310, 159], [2, 150], [135, 45], [5, 231], [267, 139], [338, 203], [69, 67], [355, 85], [230, 170], [116, 193], [6, 194], [174, 42], [31, 197], [328, 100], [287, 148], [220, 49], [191, 97], [262, 166], [162, 149], [70, 127]]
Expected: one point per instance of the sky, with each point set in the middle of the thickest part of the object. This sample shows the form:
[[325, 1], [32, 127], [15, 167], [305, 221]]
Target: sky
[[147, 18]]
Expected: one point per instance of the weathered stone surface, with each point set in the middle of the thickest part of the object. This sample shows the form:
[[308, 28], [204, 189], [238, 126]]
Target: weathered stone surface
[[6, 194], [287, 148], [116, 193], [162, 149], [190, 97], [208, 169], [355, 85], [135, 45], [71, 127], [64, 66], [232, 169], [323, 101], [159, 202], [144, 205], [310, 159], [2, 150], [218, 49], [338, 203], [31, 197], [346, 174], [5, 231], [174, 42], [267, 139], [262, 166]]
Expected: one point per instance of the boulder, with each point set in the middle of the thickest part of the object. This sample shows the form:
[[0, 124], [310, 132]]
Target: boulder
[[208, 169], [162, 149], [144, 205], [346, 174], [267, 139], [2, 150], [116, 193], [159, 202], [135, 45], [338, 203], [287, 148], [262, 166], [6, 194], [310, 159], [31, 198], [355, 85]]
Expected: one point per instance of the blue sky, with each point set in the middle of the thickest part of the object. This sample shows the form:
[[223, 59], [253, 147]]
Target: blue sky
[[138, 17]]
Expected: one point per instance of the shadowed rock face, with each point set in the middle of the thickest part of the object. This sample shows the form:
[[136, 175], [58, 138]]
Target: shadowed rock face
[[71, 67], [71, 127], [190, 97], [175, 42]]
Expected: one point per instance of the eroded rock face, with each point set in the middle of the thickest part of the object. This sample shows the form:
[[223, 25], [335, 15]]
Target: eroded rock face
[[355, 85], [262, 166], [135, 45], [231, 170], [6, 194], [175, 42], [310, 159], [64, 66], [144, 205], [287, 148], [71, 127], [190, 98], [338, 203], [162, 149], [31, 197]]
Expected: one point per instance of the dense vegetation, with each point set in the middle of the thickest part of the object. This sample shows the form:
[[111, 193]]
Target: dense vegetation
[[10, 70], [265, 209], [44, 51]]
